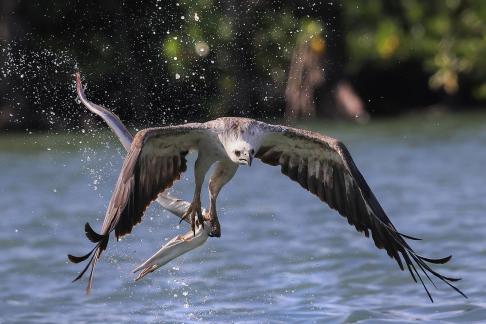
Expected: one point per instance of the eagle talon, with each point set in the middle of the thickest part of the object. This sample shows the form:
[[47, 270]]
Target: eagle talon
[[215, 229], [193, 211], [200, 218]]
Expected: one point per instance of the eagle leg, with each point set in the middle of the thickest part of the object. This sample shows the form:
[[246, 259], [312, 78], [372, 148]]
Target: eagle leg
[[202, 165], [223, 172]]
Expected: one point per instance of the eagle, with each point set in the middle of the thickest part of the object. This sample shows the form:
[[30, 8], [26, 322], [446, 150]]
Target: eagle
[[320, 164]]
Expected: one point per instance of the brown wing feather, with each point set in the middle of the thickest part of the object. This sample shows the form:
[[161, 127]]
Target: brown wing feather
[[323, 166], [155, 160]]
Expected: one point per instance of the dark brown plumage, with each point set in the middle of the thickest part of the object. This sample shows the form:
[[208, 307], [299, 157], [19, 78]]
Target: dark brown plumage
[[155, 160], [323, 166]]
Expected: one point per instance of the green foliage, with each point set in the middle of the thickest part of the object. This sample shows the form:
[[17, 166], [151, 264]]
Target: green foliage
[[448, 37], [266, 36], [179, 60]]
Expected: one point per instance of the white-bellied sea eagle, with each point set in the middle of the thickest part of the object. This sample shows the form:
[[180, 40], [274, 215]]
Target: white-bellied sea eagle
[[320, 164]]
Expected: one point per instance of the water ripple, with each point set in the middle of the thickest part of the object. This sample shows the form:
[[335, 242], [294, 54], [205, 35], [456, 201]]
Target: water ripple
[[283, 256]]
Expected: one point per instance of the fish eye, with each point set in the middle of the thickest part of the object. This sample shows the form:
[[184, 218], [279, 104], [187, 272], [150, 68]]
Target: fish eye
[[237, 153]]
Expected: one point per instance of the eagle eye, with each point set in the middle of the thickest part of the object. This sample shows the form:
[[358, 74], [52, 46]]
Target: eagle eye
[[252, 151]]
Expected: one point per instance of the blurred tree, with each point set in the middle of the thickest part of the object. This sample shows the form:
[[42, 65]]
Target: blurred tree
[[447, 37], [157, 62], [305, 73]]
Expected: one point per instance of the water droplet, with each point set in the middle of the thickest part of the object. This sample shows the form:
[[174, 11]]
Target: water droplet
[[202, 48]]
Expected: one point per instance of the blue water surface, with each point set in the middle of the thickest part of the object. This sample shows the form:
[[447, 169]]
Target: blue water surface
[[283, 255]]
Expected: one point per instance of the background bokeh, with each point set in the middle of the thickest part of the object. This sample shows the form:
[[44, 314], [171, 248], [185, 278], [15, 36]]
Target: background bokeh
[[159, 62]]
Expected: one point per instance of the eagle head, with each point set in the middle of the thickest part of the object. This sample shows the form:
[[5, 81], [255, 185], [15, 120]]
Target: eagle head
[[241, 142], [242, 153]]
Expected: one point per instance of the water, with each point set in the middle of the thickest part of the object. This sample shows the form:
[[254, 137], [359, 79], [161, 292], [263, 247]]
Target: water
[[283, 256]]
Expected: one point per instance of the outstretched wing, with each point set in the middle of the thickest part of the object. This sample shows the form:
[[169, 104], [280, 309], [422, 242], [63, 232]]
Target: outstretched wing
[[323, 166], [175, 206], [155, 160], [110, 118]]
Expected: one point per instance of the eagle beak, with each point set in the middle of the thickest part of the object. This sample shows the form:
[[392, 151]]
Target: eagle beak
[[246, 161]]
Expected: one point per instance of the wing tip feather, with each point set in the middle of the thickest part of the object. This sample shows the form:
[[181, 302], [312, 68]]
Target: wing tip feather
[[92, 235]]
